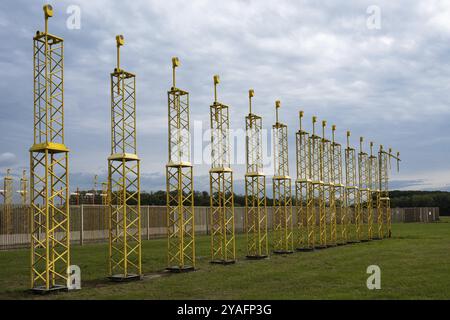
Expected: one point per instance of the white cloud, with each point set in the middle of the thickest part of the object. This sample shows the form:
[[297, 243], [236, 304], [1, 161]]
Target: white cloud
[[390, 85], [7, 159]]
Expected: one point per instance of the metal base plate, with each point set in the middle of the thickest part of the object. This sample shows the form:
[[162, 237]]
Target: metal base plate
[[352, 242], [224, 262], [256, 257], [177, 269], [282, 252], [43, 290], [125, 278], [331, 245], [304, 249], [377, 239], [342, 244], [320, 247], [365, 240]]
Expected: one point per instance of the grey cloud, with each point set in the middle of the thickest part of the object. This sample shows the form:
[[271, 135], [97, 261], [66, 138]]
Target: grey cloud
[[390, 85]]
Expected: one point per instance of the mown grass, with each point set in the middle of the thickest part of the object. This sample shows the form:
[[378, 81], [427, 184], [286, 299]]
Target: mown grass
[[414, 264]]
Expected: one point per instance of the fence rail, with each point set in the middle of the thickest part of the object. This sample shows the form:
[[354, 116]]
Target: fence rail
[[89, 223]]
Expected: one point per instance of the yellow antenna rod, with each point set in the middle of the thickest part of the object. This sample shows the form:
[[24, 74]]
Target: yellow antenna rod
[[251, 94], [175, 63], [216, 82], [300, 117], [333, 130], [348, 139], [48, 11], [398, 161], [314, 120], [119, 42], [277, 106]]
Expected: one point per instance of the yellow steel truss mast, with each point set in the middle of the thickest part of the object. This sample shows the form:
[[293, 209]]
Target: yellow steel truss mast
[[351, 194], [223, 249], [364, 193], [49, 168], [282, 199], [123, 178], [339, 191], [255, 188], [317, 187], [305, 240], [179, 181], [329, 205], [384, 158]]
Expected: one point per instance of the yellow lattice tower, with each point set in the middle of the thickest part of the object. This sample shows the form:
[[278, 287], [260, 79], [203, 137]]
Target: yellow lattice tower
[[49, 171], [384, 159], [317, 187], [339, 190], [255, 188], [223, 249], [305, 240], [23, 188], [364, 193], [179, 181], [124, 178], [329, 205], [351, 194], [377, 229], [282, 198]]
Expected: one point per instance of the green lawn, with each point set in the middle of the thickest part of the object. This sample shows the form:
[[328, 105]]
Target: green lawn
[[415, 264]]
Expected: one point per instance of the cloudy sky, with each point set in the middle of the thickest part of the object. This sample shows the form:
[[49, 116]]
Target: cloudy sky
[[386, 79]]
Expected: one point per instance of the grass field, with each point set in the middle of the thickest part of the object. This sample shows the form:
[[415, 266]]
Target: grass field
[[415, 264]]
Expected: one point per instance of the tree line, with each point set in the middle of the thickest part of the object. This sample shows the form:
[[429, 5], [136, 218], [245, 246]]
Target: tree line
[[400, 199]]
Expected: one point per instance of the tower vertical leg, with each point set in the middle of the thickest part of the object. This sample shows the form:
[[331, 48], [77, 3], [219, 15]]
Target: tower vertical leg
[[125, 221], [379, 209], [322, 217], [256, 216], [369, 217], [332, 241], [305, 216], [342, 234], [310, 216], [282, 216], [180, 219], [353, 214], [223, 249], [50, 255], [364, 214]]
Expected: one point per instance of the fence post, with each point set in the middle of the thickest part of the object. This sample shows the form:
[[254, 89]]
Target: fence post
[[148, 222], [81, 225]]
